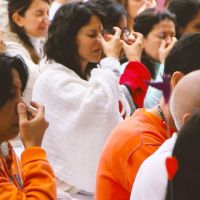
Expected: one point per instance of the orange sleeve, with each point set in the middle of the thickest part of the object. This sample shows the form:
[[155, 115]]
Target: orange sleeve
[[38, 178], [133, 164]]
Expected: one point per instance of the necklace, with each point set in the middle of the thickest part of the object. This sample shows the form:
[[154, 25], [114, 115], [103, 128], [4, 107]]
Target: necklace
[[161, 114]]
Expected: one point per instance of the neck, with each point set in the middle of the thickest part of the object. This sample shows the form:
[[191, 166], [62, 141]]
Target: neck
[[166, 111]]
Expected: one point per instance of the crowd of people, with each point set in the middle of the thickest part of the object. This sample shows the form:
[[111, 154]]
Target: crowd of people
[[84, 112]]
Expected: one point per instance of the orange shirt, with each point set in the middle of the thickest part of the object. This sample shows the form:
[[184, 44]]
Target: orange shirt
[[37, 176], [127, 147]]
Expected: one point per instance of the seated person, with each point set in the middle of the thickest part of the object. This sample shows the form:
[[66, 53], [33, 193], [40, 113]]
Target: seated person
[[143, 133], [34, 178], [184, 102]]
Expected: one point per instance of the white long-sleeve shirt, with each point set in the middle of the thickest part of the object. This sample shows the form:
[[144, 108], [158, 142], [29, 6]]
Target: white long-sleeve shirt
[[81, 116]]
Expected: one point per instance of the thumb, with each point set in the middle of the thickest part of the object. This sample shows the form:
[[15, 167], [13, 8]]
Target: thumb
[[22, 112]]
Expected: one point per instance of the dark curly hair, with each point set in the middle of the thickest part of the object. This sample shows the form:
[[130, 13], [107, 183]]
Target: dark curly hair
[[61, 43]]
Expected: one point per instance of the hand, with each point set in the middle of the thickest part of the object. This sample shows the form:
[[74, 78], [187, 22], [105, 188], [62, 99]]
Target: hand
[[112, 46], [32, 124], [165, 49], [133, 49], [146, 5]]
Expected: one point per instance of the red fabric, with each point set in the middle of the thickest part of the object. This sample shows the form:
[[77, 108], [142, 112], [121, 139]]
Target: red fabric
[[135, 76]]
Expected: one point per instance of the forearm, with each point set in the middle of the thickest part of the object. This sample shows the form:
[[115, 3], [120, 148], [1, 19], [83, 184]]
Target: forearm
[[38, 177]]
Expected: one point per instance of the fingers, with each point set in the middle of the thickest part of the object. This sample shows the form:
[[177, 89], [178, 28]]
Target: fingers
[[174, 40], [108, 37], [118, 32], [31, 112], [22, 113], [162, 45], [40, 108]]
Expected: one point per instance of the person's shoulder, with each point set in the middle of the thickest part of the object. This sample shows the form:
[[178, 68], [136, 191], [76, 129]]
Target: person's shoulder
[[159, 156], [128, 127], [125, 138]]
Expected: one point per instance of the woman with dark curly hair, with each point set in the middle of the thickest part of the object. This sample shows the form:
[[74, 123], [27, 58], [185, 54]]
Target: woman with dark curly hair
[[81, 109]]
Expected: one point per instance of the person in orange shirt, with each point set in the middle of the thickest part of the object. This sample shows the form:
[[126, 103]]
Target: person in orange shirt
[[34, 178], [142, 134]]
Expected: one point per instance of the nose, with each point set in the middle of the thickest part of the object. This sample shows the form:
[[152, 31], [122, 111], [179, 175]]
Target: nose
[[46, 18], [98, 39]]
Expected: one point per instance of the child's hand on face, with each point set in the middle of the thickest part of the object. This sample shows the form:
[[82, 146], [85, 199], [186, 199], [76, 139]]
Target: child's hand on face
[[32, 124]]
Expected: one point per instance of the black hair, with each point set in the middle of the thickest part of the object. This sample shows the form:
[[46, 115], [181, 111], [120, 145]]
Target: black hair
[[21, 6], [113, 12], [185, 11], [61, 43], [7, 63], [184, 56], [185, 184], [144, 23]]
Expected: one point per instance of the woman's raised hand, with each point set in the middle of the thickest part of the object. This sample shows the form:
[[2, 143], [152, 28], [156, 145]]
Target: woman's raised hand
[[133, 47], [113, 46]]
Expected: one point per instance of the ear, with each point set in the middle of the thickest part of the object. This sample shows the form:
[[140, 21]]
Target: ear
[[185, 118], [175, 78], [18, 19]]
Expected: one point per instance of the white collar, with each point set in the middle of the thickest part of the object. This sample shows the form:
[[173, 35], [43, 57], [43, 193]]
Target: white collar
[[36, 43]]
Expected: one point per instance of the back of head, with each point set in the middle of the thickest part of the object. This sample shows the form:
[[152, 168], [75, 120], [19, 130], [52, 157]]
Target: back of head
[[124, 3], [7, 63], [113, 12], [61, 43], [187, 179], [185, 98], [184, 56], [185, 11]]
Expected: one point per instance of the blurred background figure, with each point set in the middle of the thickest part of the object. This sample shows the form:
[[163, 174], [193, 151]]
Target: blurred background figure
[[134, 7], [28, 25], [187, 14], [56, 4]]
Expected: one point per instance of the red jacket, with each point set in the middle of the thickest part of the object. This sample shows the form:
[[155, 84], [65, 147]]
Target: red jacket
[[135, 76]]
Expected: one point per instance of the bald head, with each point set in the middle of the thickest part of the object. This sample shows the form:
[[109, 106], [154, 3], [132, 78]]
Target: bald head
[[185, 98]]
